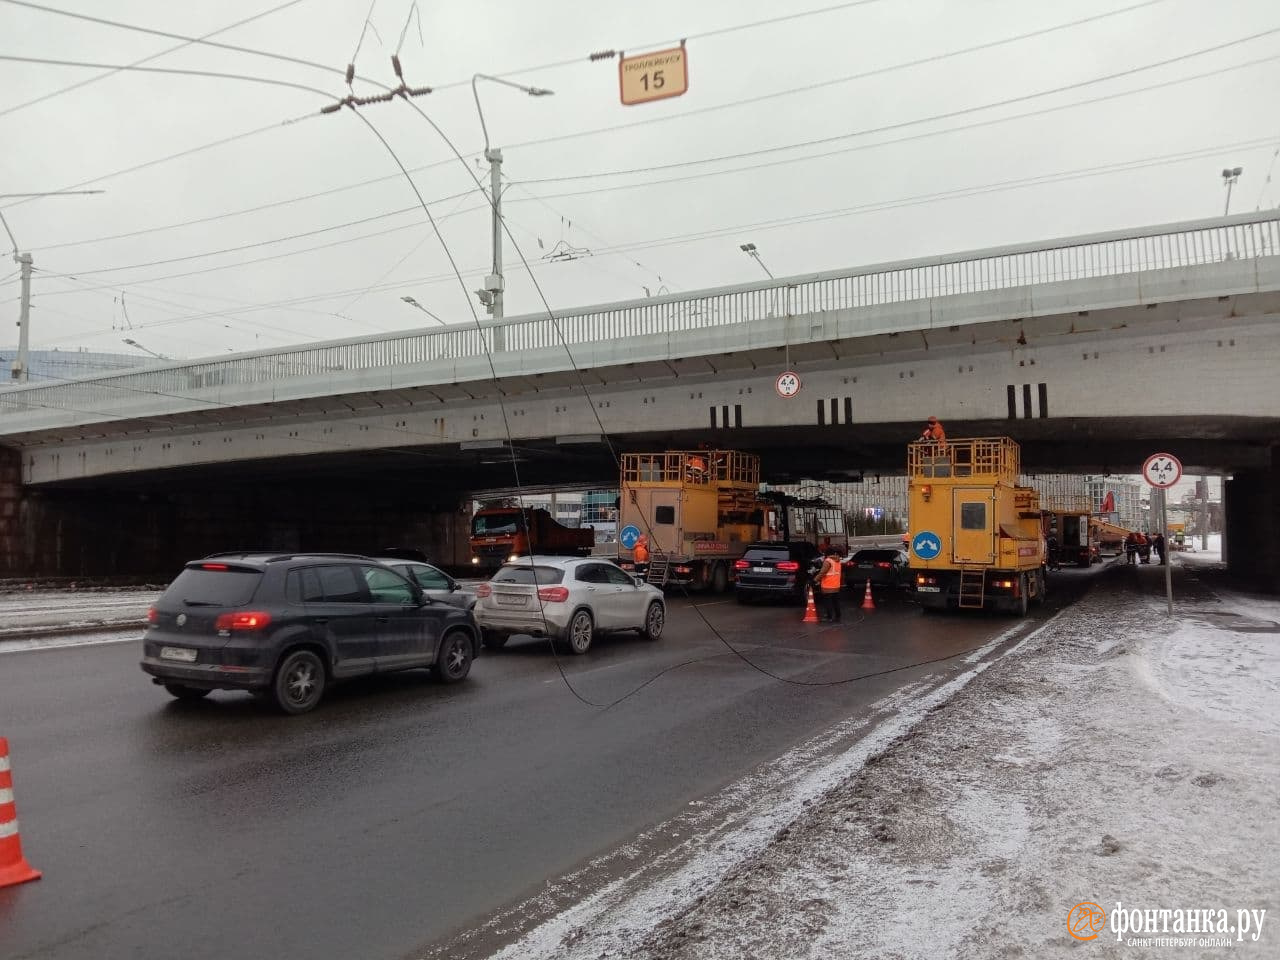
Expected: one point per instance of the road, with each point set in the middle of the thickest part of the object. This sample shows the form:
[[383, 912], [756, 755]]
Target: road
[[402, 812]]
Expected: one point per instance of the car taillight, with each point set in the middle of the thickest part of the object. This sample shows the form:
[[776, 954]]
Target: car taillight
[[483, 590], [741, 565], [152, 616], [883, 564], [243, 620], [553, 594], [788, 566]]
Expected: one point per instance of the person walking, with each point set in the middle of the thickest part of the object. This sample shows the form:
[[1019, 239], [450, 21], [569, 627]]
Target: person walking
[[829, 583], [1157, 542]]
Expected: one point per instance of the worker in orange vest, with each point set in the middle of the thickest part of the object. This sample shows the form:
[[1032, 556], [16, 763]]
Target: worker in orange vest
[[829, 582], [641, 553], [933, 431]]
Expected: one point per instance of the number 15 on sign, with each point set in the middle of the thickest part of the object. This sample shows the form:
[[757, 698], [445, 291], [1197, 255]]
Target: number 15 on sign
[[653, 76]]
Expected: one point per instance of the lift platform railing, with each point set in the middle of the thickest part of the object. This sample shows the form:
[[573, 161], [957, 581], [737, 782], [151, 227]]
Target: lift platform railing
[[990, 459], [698, 468]]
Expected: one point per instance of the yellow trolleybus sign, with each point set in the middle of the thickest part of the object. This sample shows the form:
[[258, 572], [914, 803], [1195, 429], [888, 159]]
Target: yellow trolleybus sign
[[653, 76]]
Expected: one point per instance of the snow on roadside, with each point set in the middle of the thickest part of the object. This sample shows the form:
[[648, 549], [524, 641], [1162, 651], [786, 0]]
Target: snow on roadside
[[1120, 757], [1117, 760]]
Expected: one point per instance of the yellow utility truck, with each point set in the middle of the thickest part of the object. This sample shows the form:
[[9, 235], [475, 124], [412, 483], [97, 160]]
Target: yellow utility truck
[[976, 539], [698, 509]]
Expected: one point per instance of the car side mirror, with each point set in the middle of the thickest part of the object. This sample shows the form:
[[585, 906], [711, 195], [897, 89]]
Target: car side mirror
[[454, 585], [639, 581], [420, 597]]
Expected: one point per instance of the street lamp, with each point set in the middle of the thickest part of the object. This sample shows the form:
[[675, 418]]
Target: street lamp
[[135, 343], [750, 250], [491, 295], [414, 303], [1229, 177]]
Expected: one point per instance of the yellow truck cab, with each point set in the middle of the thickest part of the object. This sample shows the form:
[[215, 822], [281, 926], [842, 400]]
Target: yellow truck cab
[[976, 540]]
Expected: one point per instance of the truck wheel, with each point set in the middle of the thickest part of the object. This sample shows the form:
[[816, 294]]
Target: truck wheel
[[719, 578], [1020, 604], [581, 630]]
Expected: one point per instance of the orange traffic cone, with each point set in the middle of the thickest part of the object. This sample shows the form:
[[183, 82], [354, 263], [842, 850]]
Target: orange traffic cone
[[867, 602], [810, 610], [13, 866]]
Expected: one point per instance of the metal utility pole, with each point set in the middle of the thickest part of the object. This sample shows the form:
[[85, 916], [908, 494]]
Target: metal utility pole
[[494, 285], [1229, 177], [19, 371], [1204, 514]]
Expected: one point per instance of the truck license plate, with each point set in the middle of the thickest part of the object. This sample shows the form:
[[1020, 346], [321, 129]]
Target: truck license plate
[[178, 653], [929, 589]]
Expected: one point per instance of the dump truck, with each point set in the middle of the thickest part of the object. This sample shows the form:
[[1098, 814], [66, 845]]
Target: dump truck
[[500, 534], [699, 509], [1109, 536], [976, 541]]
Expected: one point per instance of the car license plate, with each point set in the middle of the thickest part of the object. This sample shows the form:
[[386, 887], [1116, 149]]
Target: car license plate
[[511, 599], [178, 653], [929, 589], [864, 566], [762, 569]]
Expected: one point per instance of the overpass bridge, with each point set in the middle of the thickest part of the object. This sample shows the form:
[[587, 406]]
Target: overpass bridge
[[1092, 351]]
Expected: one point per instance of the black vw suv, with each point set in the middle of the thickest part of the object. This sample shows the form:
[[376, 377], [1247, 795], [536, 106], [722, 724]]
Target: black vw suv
[[284, 625]]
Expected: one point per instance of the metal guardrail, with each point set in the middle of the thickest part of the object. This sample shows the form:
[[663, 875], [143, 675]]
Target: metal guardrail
[[1216, 240]]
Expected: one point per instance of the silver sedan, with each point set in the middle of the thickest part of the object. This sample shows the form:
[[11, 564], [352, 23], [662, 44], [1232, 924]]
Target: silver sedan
[[570, 599], [435, 583]]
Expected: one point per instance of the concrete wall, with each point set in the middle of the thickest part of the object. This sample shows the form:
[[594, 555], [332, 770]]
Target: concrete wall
[[1253, 526]]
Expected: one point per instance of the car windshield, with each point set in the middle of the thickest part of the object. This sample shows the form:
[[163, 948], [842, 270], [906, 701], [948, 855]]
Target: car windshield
[[529, 575], [199, 586], [495, 524], [863, 556]]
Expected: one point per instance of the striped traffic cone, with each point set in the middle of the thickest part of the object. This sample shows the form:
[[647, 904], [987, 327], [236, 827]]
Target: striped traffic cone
[[867, 602], [13, 866], [810, 610]]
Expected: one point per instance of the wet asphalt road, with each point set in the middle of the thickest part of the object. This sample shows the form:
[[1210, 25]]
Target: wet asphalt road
[[401, 811]]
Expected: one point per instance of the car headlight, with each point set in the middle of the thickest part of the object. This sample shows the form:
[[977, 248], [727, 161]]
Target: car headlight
[[475, 560], [513, 558]]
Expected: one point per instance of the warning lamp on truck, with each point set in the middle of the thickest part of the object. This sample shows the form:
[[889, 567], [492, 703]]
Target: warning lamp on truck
[[926, 491]]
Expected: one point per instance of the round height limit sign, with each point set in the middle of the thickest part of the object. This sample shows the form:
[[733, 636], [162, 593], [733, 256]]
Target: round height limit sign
[[1162, 470], [787, 384]]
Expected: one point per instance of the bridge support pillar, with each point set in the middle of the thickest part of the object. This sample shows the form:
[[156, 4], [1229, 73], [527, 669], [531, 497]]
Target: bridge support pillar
[[1251, 502]]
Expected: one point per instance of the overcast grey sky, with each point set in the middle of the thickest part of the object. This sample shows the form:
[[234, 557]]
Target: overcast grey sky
[[643, 235]]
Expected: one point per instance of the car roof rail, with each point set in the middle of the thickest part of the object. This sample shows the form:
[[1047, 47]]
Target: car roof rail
[[275, 558]]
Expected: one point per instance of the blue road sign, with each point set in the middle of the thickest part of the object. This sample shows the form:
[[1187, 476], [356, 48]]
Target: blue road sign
[[629, 535], [926, 545]]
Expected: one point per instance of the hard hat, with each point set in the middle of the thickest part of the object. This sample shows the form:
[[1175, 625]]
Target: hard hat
[[933, 419]]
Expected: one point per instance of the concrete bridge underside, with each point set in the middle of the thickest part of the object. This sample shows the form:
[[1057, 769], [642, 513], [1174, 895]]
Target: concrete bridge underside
[[1093, 394]]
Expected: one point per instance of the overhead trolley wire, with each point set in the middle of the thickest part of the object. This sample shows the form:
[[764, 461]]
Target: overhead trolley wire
[[155, 56]]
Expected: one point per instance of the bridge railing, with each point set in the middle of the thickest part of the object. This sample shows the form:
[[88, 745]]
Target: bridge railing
[[1217, 240]]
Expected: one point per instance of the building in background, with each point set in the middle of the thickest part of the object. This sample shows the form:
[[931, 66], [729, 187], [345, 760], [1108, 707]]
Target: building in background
[[54, 366]]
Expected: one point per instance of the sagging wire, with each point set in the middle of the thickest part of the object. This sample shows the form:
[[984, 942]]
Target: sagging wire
[[608, 442]]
